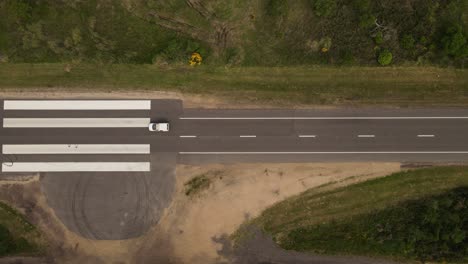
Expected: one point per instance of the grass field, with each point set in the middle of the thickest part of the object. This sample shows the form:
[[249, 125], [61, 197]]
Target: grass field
[[237, 32], [325, 207], [17, 235], [403, 86]]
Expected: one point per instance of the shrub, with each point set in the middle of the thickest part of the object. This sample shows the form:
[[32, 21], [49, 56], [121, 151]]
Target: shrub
[[195, 59], [407, 42], [378, 38], [366, 20], [385, 57], [454, 42], [196, 185], [324, 8], [326, 44]]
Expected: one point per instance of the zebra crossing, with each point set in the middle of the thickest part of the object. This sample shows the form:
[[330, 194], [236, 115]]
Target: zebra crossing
[[32, 114]]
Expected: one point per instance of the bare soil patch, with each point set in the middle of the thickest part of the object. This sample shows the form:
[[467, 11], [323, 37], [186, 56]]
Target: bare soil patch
[[195, 225]]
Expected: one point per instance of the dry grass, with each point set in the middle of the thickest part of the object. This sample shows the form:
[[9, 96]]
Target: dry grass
[[402, 86]]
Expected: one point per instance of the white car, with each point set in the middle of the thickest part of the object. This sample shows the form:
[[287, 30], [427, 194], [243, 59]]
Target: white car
[[159, 127]]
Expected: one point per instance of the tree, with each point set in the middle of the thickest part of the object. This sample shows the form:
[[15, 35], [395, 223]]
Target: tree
[[385, 57]]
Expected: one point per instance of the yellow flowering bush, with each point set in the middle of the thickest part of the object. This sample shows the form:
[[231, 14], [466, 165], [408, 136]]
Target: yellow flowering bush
[[195, 59]]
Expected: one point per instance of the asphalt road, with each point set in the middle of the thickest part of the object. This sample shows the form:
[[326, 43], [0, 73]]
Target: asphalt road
[[131, 202], [266, 135]]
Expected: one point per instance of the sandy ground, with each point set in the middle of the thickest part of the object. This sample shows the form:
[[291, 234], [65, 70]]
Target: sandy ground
[[193, 229], [239, 192]]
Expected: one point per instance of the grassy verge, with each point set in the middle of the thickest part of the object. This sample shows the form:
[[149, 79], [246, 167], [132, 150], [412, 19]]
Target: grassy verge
[[432, 228], [17, 235], [340, 211], [402, 86]]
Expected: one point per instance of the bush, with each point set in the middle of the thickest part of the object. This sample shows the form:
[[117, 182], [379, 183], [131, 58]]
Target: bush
[[366, 20], [324, 8], [385, 57], [196, 185], [378, 38], [407, 42], [454, 42], [177, 50]]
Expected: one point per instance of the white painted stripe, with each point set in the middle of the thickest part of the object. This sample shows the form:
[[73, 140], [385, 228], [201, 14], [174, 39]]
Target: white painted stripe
[[366, 136], [77, 149], [75, 166], [188, 136], [75, 122], [247, 136], [77, 105], [325, 152], [326, 118], [307, 136], [426, 136]]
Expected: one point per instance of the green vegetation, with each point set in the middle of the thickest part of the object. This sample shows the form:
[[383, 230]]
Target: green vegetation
[[240, 32], [324, 8], [379, 38], [17, 235], [280, 85], [196, 185], [429, 229], [418, 214], [385, 57], [407, 42]]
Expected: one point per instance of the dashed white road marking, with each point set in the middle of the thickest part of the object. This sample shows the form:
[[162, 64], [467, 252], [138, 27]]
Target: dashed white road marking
[[426, 136], [307, 136], [77, 105], [247, 136], [188, 136], [366, 136]]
